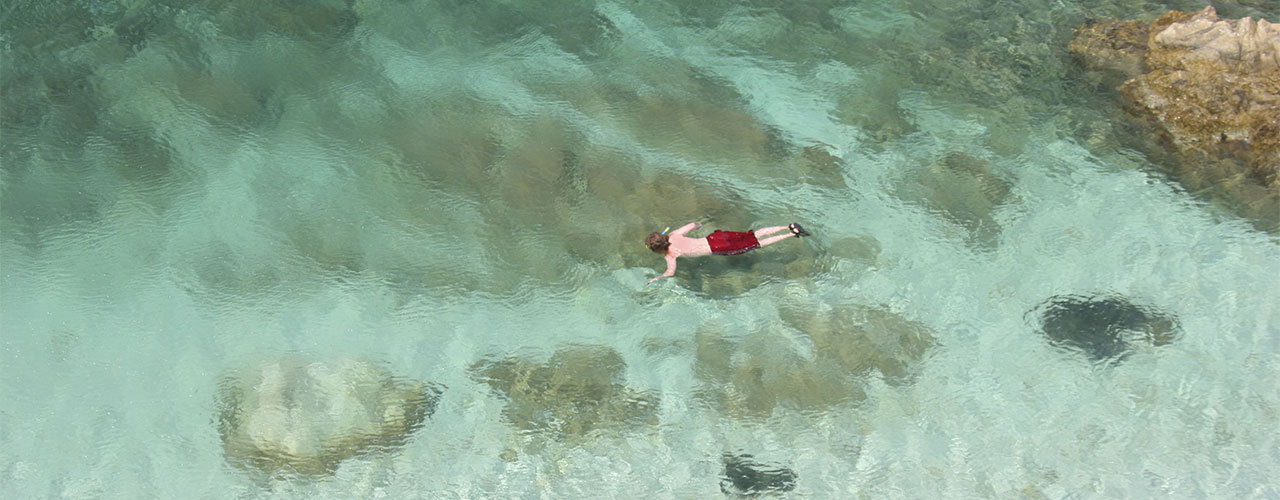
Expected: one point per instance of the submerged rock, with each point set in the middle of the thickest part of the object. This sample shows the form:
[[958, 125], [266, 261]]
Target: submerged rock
[[288, 415], [1103, 327], [750, 377], [1210, 88], [578, 390], [729, 277], [964, 190], [1117, 46], [863, 339], [745, 476], [569, 202], [319, 20]]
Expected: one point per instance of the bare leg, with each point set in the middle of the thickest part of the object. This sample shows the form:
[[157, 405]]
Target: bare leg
[[766, 231], [774, 239]]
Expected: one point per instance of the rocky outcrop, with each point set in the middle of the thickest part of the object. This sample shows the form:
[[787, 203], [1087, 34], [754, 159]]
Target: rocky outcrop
[[290, 416], [1214, 87], [1210, 87]]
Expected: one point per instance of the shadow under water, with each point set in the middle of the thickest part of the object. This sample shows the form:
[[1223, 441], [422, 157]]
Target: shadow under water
[[728, 277], [1103, 327], [743, 476]]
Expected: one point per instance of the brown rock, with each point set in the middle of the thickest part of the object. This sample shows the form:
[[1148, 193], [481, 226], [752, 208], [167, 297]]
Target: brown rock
[[1210, 88], [1116, 46], [1214, 88]]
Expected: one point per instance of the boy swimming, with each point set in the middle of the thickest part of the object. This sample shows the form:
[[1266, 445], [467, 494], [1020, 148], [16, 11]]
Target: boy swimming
[[676, 244]]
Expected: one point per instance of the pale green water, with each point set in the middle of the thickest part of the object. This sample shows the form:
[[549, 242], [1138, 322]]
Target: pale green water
[[438, 187]]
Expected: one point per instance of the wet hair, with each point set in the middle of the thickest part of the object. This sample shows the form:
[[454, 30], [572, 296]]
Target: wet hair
[[657, 242]]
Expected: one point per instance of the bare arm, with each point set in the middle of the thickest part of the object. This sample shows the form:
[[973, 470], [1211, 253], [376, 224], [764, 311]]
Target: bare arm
[[671, 269], [685, 228]]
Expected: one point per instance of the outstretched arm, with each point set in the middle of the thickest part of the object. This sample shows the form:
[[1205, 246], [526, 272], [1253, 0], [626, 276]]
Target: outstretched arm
[[671, 270], [685, 228]]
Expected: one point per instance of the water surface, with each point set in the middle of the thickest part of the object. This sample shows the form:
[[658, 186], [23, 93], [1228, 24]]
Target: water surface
[[459, 192]]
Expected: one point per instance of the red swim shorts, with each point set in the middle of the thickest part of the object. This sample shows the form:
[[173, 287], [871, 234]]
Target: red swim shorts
[[732, 243]]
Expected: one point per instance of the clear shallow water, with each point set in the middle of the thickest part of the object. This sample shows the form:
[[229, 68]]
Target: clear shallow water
[[188, 188]]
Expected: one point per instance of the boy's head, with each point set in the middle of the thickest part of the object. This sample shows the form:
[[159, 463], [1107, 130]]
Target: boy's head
[[657, 241]]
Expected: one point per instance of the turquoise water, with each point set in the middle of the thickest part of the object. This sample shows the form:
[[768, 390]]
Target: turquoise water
[[453, 189]]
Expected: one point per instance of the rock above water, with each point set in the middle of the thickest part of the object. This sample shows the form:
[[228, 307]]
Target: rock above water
[[288, 415], [1214, 86], [1209, 87]]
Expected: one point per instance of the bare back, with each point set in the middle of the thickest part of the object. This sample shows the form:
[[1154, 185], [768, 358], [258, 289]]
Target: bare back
[[680, 245], [684, 246]]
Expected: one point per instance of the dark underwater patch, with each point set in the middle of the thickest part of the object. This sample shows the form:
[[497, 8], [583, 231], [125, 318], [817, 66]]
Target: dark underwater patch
[[1103, 327], [745, 476]]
